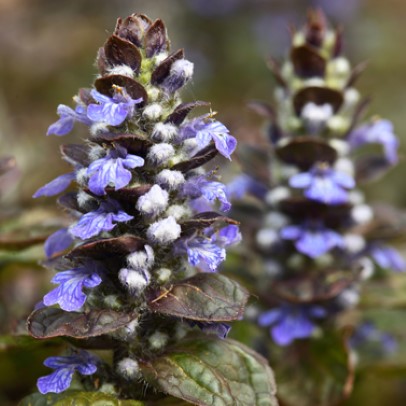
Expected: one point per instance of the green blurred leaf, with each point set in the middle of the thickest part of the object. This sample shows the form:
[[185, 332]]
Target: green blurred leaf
[[317, 371], [204, 297], [210, 371], [23, 342], [76, 398]]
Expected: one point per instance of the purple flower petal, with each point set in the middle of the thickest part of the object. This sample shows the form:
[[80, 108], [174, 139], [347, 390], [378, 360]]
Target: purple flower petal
[[388, 258], [244, 184], [270, 317], [67, 119], [56, 186], [56, 382]]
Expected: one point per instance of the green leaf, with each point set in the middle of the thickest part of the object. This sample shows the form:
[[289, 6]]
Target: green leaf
[[204, 297], [23, 342], [316, 371], [52, 322], [212, 372], [76, 398]]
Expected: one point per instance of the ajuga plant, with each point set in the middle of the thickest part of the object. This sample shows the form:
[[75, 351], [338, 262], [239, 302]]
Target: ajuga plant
[[313, 237], [136, 273]]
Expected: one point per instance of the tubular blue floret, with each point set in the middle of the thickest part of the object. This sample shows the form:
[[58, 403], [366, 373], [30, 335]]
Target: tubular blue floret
[[323, 184], [312, 240], [113, 170], [56, 186], [204, 129], [103, 219], [69, 294], [65, 367], [67, 119], [290, 322], [111, 110]]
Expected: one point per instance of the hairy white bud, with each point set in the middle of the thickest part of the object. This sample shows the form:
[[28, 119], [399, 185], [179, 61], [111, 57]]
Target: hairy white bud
[[96, 152], [342, 147], [344, 165], [348, 298], [362, 214], [98, 128], [153, 111], [83, 199], [123, 70], [179, 211], [155, 201], [180, 73], [160, 154], [367, 268], [266, 237], [163, 275], [128, 368], [135, 281], [164, 231], [140, 260], [354, 243], [277, 194], [82, 177], [160, 57], [164, 132], [170, 180], [158, 340], [315, 116], [276, 220]]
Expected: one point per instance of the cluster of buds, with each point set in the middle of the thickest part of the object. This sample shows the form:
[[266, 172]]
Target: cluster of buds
[[318, 239], [143, 251]]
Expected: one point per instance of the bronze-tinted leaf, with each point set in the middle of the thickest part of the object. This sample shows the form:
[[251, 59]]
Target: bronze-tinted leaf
[[208, 371], [69, 201], [101, 61], [52, 322], [155, 39], [121, 52], [182, 110], [304, 152], [338, 43], [134, 143], [311, 287], [85, 95], [356, 73], [315, 27], [206, 219], [105, 86], [209, 297], [163, 69], [76, 154], [128, 194], [307, 62], [131, 29], [108, 247], [203, 156], [319, 96], [298, 208], [262, 108], [274, 67]]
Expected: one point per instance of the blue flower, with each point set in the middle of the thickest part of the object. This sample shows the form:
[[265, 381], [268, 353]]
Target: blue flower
[[69, 294], [61, 378], [312, 240], [67, 118], [56, 186], [112, 170], [378, 132], [368, 333], [94, 222], [58, 241], [290, 322], [244, 184], [199, 186], [205, 129], [227, 236], [387, 257], [323, 184], [111, 110], [202, 252]]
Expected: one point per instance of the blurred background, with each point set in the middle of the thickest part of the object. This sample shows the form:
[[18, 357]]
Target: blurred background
[[47, 51]]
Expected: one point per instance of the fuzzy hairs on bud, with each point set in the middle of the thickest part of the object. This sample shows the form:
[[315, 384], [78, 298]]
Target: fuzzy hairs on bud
[[128, 368], [181, 72], [140, 260], [153, 202], [164, 132], [152, 112], [135, 281], [160, 154], [164, 231], [170, 180]]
